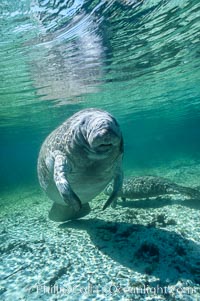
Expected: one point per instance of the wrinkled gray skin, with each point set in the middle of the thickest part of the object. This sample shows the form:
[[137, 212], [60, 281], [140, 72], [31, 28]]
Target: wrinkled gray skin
[[78, 160], [150, 186]]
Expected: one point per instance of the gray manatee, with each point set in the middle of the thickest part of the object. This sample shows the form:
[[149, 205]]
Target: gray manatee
[[151, 186], [77, 161]]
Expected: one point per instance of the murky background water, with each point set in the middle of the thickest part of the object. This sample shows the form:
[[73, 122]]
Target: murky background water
[[140, 60]]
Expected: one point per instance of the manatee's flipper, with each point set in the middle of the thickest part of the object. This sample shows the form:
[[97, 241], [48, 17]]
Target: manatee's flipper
[[60, 213], [117, 186], [60, 168]]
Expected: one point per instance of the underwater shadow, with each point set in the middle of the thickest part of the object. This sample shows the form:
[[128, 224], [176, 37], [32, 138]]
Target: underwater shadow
[[159, 202], [147, 250]]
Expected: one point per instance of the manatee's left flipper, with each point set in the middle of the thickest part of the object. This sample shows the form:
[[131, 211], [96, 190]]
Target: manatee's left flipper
[[63, 186], [117, 186]]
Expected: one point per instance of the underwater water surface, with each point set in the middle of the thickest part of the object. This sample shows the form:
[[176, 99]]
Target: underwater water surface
[[139, 60]]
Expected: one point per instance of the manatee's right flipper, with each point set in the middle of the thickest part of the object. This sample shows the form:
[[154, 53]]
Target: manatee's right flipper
[[63, 186], [59, 213], [117, 186]]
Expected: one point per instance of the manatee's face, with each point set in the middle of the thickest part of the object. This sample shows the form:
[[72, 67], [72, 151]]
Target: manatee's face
[[103, 133]]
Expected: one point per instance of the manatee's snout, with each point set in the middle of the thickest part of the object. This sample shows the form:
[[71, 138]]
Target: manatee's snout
[[102, 133], [104, 139]]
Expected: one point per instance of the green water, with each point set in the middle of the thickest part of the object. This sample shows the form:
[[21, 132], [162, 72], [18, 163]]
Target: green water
[[138, 60]]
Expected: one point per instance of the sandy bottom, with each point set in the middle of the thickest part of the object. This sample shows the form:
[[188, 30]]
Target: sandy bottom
[[142, 250]]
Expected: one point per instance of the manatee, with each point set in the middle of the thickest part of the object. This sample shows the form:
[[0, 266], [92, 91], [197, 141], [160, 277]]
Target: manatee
[[151, 186], [78, 160]]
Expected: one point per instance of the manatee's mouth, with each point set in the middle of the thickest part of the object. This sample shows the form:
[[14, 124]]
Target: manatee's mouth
[[103, 140], [103, 147]]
